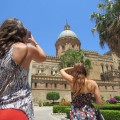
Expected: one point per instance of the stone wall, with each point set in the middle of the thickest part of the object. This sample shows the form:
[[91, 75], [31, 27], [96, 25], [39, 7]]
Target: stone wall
[[48, 73], [40, 94]]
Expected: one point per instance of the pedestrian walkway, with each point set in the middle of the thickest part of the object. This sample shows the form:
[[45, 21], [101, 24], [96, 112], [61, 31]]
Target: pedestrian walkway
[[45, 113]]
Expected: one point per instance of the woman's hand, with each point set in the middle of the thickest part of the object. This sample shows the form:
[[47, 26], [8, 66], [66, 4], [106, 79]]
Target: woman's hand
[[65, 75], [32, 41], [69, 69]]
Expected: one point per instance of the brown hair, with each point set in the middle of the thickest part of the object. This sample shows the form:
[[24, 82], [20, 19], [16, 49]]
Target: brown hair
[[11, 31], [80, 74]]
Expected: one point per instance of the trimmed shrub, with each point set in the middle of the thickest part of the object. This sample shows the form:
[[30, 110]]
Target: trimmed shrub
[[107, 114], [59, 109], [111, 114], [117, 98], [67, 111], [109, 107], [52, 96], [40, 103]]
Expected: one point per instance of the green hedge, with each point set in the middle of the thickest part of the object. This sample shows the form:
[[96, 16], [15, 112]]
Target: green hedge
[[104, 107], [67, 111], [108, 114], [111, 114], [117, 98], [110, 107], [59, 109]]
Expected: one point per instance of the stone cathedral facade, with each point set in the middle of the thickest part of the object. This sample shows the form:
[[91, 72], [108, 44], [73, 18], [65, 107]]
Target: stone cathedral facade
[[46, 77]]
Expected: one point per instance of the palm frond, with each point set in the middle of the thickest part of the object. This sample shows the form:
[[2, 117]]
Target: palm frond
[[108, 24]]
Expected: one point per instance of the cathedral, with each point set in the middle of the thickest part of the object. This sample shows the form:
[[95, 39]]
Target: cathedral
[[45, 77]]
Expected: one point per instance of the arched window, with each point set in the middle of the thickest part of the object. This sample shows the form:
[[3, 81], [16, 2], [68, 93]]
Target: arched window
[[102, 66], [107, 67], [111, 67], [63, 48], [46, 85], [119, 67], [51, 72], [55, 85], [41, 69], [54, 71], [65, 85], [35, 85], [73, 46]]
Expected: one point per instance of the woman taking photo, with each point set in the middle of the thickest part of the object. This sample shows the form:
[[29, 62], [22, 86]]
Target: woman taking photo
[[82, 92], [15, 58]]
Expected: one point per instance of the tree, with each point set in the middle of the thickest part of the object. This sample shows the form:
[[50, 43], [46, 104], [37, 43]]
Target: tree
[[74, 56], [107, 24], [52, 96]]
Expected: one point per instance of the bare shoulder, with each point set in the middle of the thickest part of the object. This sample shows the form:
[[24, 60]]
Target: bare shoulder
[[19, 50], [93, 82], [20, 47]]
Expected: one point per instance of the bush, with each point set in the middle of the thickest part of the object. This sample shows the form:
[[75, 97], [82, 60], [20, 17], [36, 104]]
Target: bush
[[112, 101], [109, 107], [59, 109], [67, 111], [111, 114], [52, 96], [107, 101], [107, 114], [117, 98], [40, 103]]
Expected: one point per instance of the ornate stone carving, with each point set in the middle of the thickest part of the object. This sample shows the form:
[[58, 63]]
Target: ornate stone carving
[[110, 75]]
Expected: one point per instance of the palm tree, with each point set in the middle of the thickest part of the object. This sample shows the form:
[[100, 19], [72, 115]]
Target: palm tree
[[108, 24], [74, 56]]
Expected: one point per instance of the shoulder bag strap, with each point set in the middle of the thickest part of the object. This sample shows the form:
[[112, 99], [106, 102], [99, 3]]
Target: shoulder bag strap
[[6, 85]]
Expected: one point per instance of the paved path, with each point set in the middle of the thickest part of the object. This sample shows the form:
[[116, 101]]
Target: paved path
[[45, 113]]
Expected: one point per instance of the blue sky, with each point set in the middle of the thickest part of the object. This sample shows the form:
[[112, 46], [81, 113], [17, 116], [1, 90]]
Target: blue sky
[[46, 20]]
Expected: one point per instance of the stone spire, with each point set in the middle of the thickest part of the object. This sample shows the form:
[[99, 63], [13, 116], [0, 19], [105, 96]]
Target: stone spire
[[67, 27]]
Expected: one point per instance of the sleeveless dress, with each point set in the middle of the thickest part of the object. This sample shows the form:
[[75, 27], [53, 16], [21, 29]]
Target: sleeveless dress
[[18, 95], [82, 108]]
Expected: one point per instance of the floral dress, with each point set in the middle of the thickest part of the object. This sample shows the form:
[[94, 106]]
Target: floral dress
[[82, 108]]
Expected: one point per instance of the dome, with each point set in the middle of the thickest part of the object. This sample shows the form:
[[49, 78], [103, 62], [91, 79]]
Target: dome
[[67, 32]]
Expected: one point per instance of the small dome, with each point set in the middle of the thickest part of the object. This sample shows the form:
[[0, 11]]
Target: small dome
[[67, 32]]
